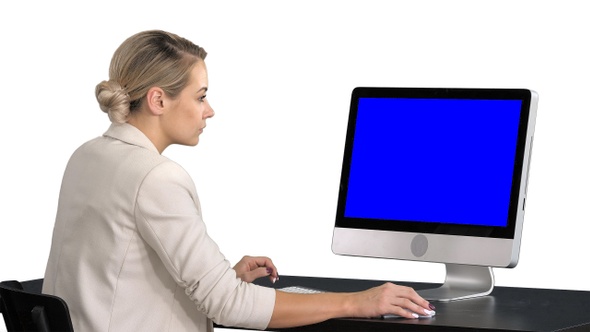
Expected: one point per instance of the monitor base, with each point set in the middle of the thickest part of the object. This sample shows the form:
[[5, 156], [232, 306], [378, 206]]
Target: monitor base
[[462, 282]]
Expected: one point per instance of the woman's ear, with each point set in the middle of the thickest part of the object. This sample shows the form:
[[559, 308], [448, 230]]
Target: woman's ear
[[155, 100]]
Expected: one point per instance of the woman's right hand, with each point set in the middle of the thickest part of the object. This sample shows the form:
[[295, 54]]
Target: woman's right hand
[[387, 299]]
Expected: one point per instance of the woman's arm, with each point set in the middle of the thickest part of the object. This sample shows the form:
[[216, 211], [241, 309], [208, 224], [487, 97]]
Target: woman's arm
[[304, 309], [292, 309]]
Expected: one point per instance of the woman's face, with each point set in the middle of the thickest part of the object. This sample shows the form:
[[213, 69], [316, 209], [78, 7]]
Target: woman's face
[[186, 116]]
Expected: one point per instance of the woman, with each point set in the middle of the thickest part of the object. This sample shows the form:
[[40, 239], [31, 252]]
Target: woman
[[130, 251]]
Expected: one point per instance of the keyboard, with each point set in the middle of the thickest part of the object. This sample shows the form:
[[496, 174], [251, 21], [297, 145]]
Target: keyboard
[[300, 290]]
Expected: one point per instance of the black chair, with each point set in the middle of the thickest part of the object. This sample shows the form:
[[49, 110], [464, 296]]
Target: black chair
[[26, 309]]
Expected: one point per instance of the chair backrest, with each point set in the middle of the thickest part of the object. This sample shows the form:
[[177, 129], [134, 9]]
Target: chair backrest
[[29, 311]]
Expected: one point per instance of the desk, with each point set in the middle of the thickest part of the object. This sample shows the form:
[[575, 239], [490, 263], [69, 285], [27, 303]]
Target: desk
[[505, 309]]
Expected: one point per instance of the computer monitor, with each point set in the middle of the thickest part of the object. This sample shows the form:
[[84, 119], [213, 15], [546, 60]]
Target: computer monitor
[[437, 175]]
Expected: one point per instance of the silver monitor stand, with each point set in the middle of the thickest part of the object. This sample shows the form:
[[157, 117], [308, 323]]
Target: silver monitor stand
[[462, 282]]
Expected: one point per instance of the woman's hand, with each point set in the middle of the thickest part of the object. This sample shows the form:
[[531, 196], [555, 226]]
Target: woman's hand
[[390, 299], [251, 268], [303, 309]]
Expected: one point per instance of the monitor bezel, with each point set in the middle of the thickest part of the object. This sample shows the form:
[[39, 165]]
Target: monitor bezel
[[507, 232]]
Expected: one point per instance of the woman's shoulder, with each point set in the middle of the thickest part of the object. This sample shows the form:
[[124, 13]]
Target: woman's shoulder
[[170, 179], [168, 171]]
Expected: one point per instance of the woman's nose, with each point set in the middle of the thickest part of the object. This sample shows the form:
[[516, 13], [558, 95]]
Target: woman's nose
[[209, 113]]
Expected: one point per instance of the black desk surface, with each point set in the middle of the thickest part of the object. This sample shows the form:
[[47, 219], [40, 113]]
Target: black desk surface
[[506, 309]]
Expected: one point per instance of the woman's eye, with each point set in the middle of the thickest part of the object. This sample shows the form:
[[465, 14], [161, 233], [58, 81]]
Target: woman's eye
[[202, 98]]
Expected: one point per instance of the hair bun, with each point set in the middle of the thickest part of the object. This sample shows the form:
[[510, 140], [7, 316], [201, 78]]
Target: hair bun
[[113, 100]]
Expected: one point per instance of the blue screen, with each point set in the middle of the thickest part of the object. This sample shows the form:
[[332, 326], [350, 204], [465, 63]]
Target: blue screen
[[433, 160]]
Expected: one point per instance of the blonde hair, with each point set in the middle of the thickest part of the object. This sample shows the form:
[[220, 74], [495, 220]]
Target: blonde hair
[[144, 60]]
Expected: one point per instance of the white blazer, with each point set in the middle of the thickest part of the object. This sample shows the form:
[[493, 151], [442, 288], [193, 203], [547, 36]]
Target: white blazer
[[130, 251]]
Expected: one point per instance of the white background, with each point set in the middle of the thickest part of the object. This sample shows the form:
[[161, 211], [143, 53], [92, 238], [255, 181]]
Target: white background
[[268, 165]]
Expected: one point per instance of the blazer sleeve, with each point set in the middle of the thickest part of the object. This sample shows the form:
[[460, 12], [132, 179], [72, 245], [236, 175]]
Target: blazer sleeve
[[168, 218]]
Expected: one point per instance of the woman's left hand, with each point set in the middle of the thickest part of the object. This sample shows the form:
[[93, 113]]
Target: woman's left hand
[[251, 268]]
